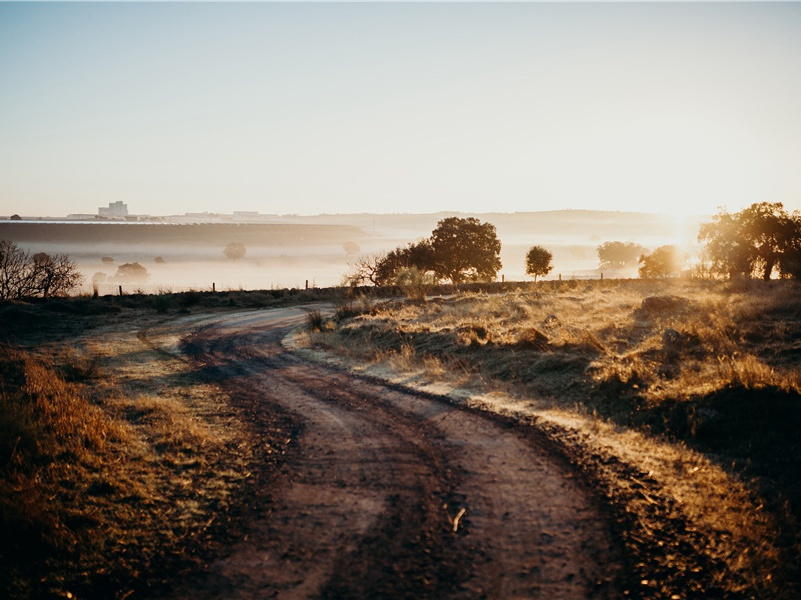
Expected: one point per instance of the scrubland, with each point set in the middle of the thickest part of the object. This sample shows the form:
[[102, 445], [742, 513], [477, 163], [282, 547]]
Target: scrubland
[[678, 400]]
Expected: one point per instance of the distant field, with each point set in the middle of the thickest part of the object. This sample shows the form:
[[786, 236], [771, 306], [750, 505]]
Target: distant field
[[288, 253]]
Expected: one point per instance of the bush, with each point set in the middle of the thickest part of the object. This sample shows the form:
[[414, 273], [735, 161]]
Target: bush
[[315, 321]]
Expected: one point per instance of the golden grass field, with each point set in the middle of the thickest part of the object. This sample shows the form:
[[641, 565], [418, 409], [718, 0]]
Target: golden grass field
[[122, 466], [679, 400]]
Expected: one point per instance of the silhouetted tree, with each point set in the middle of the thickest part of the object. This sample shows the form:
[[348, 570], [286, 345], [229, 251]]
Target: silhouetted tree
[[159, 260], [107, 260], [132, 273], [26, 276], [465, 249], [665, 261], [538, 262], [15, 217], [752, 242], [619, 255], [364, 271], [234, 251]]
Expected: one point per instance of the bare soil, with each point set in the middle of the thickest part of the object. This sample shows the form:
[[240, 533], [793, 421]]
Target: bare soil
[[384, 492]]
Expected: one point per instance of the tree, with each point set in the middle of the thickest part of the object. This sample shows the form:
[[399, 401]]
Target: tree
[[364, 271], [234, 250], [26, 276], [464, 249], [619, 255], [538, 262], [132, 273], [754, 241], [665, 261], [351, 248], [55, 275]]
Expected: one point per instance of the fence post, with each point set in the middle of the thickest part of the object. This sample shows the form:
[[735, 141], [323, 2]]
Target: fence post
[[602, 275], [120, 290], [560, 277], [213, 287], [307, 284]]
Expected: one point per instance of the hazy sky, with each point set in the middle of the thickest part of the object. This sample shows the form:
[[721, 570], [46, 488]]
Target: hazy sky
[[310, 108]]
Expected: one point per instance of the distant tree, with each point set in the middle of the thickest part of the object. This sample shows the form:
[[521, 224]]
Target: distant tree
[[619, 255], [234, 251], [26, 276], [664, 262], [538, 262], [351, 248], [159, 260], [752, 242], [464, 249], [15, 217], [132, 273], [107, 260]]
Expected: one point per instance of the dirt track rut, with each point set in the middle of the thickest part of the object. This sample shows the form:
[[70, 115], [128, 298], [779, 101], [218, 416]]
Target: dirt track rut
[[364, 503]]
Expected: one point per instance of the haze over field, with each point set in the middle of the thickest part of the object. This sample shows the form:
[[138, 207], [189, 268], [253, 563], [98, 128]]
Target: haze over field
[[350, 108], [321, 249]]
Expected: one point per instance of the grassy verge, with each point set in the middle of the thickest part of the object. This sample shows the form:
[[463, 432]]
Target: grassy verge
[[680, 401], [120, 467]]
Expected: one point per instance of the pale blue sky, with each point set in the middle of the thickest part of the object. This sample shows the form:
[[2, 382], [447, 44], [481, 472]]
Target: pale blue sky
[[311, 108]]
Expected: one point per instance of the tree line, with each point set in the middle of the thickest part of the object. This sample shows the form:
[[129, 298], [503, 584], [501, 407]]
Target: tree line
[[762, 240]]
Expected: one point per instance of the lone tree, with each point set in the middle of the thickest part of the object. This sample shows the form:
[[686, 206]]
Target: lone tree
[[752, 242], [664, 262], [619, 255], [42, 275], [458, 250], [132, 273], [538, 262], [234, 251], [465, 249]]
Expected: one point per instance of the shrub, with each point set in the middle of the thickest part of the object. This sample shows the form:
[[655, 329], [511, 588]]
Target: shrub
[[315, 321]]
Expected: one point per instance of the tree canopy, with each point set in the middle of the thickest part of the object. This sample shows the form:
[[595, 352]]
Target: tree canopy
[[465, 249], [459, 250], [619, 255], [665, 261], [234, 251], [538, 262], [132, 273], [752, 242]]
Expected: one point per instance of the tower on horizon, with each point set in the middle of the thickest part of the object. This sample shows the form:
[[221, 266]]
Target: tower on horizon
[[115, 209]]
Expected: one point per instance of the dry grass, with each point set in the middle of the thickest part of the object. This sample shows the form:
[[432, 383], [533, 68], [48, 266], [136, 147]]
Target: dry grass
[[121, 468], [680, 400]]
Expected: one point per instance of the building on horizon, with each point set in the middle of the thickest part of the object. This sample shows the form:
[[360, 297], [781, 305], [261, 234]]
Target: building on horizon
[[115, 209]]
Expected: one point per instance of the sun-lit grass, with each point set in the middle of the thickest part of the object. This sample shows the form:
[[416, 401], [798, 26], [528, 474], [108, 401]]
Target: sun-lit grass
[[117, 465], [680, 399]]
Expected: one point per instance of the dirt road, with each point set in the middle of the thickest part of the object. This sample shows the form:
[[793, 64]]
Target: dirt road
[[385, 493]]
